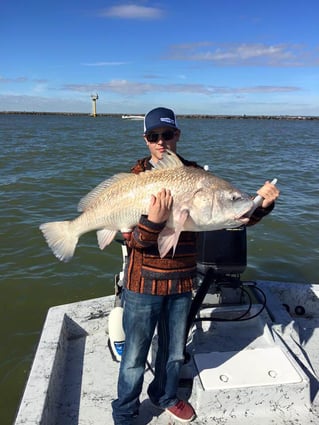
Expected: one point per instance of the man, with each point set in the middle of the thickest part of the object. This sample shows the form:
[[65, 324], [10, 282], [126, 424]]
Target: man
[[158, 290]]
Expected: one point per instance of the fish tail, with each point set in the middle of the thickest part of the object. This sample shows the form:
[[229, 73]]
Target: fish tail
[[61, 239]]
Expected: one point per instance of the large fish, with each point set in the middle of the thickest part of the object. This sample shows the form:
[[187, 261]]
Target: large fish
[[201, 201]]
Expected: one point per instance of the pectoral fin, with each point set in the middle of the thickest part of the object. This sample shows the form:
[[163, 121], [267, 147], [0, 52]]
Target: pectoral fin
[[105, 237], [168, 238]]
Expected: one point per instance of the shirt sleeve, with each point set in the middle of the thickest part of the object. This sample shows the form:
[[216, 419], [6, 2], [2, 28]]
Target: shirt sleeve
[[259, 213], [145, 234]]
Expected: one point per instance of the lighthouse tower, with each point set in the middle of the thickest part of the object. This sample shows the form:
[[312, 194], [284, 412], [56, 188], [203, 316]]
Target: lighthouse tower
[[94, 98]]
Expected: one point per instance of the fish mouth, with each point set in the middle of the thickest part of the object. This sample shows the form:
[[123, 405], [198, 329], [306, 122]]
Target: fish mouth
[[244, 217]]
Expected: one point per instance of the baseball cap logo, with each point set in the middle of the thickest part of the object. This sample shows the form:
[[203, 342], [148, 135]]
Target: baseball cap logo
[[168, 120]]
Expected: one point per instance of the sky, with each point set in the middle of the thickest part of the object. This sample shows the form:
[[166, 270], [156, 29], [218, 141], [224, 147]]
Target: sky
[[198, 57]]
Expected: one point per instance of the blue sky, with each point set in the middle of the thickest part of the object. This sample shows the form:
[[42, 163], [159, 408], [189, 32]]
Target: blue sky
[[199, 57]]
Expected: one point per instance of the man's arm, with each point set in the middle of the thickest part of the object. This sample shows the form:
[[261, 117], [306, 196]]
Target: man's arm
[[269, 192]]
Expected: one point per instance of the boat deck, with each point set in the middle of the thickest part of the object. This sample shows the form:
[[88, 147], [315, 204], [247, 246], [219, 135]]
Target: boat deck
[[264, 370]]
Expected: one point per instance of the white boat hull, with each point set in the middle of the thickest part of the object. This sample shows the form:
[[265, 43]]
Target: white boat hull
[[133, 117], [261, 371]]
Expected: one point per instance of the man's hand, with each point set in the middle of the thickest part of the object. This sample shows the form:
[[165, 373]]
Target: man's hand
[[269, 192], [160, 206]]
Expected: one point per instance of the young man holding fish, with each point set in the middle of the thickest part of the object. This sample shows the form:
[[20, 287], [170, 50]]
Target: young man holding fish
[[158, 288]]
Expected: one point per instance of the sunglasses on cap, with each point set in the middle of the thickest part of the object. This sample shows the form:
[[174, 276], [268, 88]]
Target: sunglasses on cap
[[155, 137]]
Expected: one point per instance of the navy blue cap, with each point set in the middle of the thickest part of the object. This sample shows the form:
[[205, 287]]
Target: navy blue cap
[[159, 117]]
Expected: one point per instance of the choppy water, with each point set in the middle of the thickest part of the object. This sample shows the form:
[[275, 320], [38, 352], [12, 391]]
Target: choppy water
[[47, 163]]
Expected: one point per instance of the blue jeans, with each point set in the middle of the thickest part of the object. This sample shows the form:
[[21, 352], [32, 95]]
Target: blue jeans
[[142, 312]]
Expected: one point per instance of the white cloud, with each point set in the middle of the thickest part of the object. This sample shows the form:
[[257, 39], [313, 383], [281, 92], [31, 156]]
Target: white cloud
[[131, 88], [104, 63], [13, 80], [132, 11], [254, 54], [118, 103], [20, 80]]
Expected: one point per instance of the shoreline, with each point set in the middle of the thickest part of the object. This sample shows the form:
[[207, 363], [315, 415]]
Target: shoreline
[[190, 116]]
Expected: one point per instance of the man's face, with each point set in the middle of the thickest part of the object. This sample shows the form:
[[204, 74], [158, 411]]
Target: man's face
[[160, 139]]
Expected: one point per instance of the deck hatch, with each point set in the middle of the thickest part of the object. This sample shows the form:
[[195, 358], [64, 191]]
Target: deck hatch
[[245, 368]]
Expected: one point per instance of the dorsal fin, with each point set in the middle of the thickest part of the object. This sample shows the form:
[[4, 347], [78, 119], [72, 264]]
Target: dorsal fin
[[88, 199], [169, 160]]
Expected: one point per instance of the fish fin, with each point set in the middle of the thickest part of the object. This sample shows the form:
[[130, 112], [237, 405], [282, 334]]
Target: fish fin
[[169, 160], [105, 237], [94, 194], [168, 238], [60, 239]]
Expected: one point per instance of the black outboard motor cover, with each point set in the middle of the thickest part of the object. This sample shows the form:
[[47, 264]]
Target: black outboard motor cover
[[224, 250]]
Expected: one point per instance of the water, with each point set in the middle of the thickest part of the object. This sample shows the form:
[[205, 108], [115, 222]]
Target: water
[[47, 163]]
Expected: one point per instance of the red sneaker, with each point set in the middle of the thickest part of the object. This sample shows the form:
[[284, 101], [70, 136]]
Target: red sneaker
[[182, 411]]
